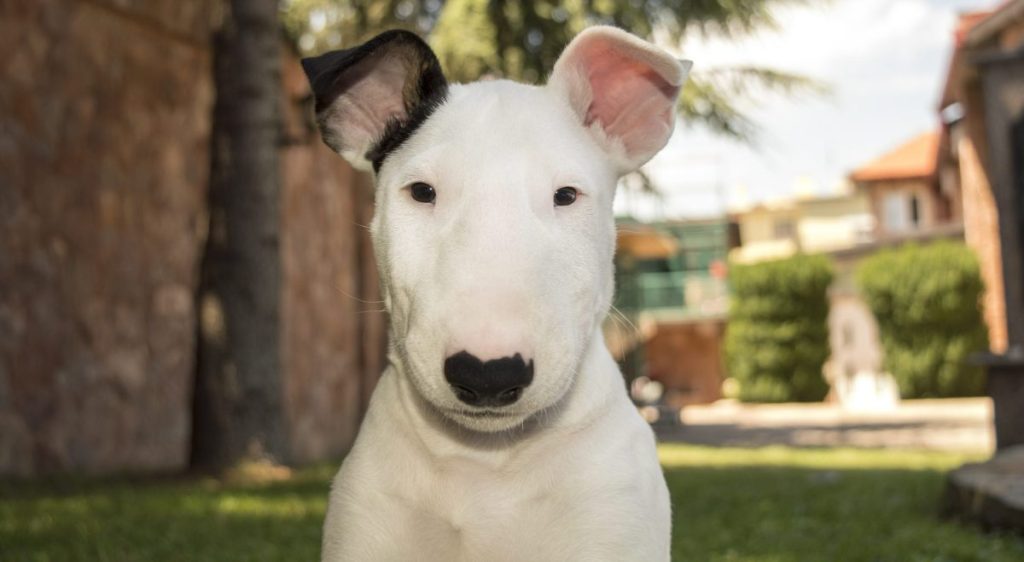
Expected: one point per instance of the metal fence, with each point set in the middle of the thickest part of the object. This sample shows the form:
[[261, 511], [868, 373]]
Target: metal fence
[[673, 294]]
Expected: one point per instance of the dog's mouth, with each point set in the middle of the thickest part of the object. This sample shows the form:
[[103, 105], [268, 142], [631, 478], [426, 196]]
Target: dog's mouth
[[483, 414], [485, 421]]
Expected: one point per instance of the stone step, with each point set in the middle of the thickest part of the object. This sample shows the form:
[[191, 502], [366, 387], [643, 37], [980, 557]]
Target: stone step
[[990, 493]]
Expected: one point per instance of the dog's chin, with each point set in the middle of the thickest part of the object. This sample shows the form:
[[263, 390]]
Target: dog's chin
[[486, 421]]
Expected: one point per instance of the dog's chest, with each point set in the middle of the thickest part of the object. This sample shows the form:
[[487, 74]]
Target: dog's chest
[[464, 511], [478, 504]]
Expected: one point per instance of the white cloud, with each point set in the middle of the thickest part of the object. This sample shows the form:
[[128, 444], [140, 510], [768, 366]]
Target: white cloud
[[824, 38]]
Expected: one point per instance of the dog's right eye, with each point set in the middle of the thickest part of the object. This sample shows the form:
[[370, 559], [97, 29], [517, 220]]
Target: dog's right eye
[[422, 192], [565, 196]]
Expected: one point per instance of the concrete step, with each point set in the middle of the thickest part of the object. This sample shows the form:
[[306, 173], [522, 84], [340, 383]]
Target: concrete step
[[990, 493]]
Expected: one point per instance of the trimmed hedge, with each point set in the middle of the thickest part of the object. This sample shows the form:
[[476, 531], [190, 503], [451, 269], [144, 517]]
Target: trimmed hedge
[[777, 339], [926, 300]]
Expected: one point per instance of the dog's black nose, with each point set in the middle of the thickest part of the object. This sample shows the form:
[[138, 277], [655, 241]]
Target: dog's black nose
[[498, 382]]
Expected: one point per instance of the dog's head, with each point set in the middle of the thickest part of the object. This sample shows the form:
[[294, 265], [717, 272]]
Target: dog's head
[[494, 231]]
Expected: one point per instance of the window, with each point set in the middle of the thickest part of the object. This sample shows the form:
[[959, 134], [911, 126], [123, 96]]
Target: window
[[915, 212], [895, 215]]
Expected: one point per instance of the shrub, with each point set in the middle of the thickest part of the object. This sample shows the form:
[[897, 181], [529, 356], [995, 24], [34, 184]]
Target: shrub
[[777, 340], [927, 303]]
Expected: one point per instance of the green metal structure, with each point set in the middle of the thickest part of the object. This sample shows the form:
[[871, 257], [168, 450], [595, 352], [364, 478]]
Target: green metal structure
[[685, 284]]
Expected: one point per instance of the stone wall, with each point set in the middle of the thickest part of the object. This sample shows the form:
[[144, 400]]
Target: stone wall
[[104, 120], [332, 323], [105, 109]]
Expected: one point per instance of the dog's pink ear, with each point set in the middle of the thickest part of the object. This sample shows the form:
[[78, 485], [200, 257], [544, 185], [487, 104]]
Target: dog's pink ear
[[369, 98], [624, 90]]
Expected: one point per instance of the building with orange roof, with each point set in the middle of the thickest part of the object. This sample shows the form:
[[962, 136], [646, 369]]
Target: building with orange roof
[[905, 191]]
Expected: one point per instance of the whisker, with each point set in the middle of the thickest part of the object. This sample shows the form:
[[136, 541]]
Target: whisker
[[628, 230], [618, 325], [355, 298], [625, 319]]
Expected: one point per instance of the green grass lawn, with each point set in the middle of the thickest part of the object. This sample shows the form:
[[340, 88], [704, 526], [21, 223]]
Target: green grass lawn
[[764, 505]]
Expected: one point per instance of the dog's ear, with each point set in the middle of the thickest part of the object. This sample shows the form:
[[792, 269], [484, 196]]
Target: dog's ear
[[624, 90], [368, 97]]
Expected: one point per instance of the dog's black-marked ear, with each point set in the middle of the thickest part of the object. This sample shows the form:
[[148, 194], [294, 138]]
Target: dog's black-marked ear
[[624, 90], [370, 98]]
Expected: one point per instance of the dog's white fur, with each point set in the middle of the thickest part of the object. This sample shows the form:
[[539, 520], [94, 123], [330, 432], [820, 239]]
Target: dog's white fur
[[570, 471]]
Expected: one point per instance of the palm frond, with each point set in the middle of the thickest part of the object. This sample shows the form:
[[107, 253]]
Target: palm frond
[[721, 98], [743, 79]]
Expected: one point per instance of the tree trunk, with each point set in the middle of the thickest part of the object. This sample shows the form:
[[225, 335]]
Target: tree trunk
[[238, 409]]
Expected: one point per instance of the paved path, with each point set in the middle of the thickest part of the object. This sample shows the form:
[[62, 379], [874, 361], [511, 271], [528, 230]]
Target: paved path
[[962, 424]]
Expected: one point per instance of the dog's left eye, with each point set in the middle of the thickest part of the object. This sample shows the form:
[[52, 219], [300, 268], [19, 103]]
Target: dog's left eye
[[565, 196], [423, 192]]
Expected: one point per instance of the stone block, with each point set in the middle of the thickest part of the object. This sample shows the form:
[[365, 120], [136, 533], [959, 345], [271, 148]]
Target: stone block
[[104, 128]]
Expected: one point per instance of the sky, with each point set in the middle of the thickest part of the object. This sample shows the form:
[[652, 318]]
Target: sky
[[884, 61]]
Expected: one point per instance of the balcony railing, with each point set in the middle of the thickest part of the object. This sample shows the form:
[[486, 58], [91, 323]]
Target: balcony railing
[[675, 294]]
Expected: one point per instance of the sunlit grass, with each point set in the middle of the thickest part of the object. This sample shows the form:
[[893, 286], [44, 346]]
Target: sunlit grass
[[765, 505], [673, 455], [168, 520], [780, 504]]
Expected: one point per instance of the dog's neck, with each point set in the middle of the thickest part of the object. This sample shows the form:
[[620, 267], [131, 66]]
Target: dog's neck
[[590, 397]]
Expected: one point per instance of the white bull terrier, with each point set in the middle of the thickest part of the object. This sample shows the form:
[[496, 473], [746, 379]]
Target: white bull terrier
[[501, 429]]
